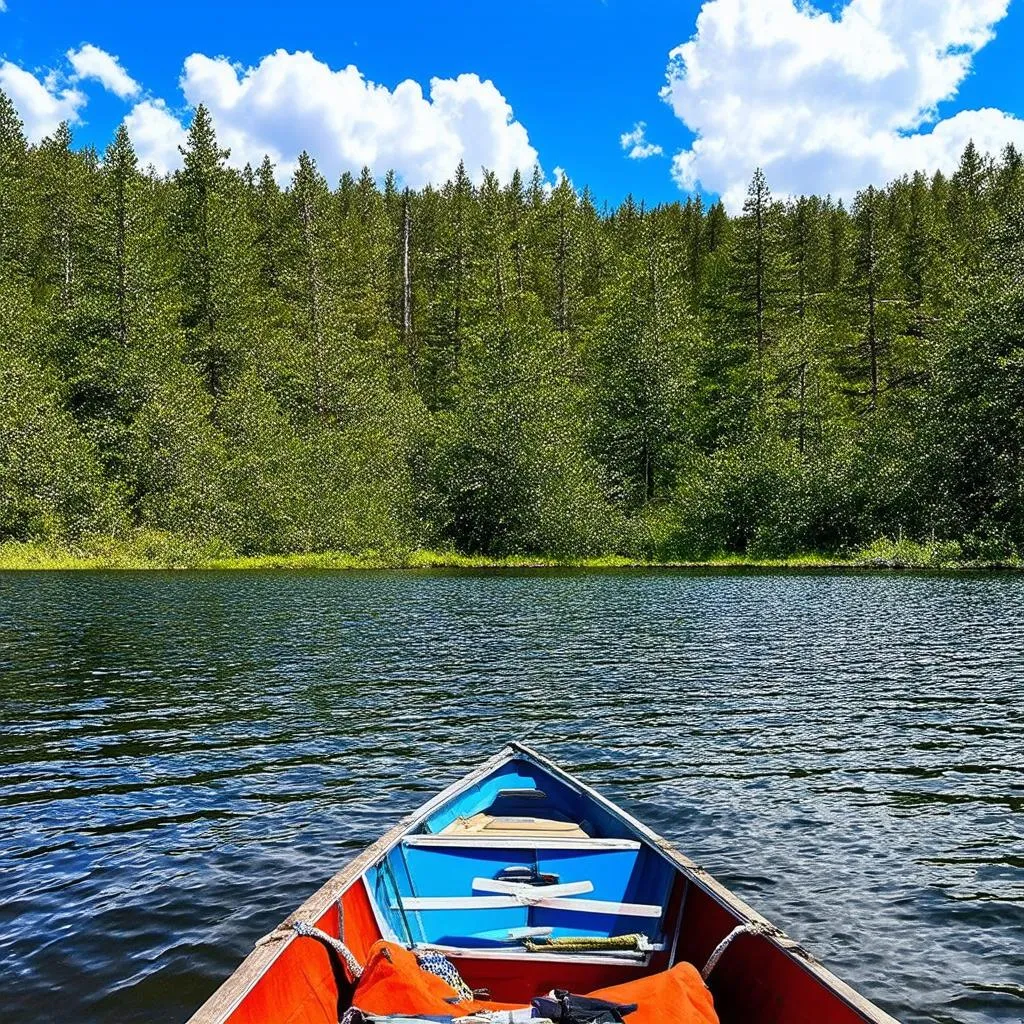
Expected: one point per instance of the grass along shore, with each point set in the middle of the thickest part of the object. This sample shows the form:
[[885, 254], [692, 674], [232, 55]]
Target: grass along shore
[[165, 551]]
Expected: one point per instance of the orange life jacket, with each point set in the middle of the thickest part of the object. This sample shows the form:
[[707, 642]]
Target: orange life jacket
[[393, 982], [676, 996]]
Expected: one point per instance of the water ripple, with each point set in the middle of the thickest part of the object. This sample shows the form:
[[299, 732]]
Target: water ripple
[[185, 757]]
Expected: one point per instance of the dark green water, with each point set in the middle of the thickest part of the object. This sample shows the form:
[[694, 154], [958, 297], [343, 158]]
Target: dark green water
[[184, 758]]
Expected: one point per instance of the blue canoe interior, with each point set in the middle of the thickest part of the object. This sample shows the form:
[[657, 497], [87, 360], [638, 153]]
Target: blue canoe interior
[[527, 879], [447, 885]]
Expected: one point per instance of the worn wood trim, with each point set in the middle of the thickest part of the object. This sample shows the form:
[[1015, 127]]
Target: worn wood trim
[[227, 998], [727, 899], [443, 840]]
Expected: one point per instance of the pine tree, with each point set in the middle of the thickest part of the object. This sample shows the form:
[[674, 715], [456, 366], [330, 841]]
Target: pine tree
[[973, 429], [1009, 180], [16, 210], [638, 366], [496, 271], [694, 248], [969, 213], [758, 267], [456, 257], [563, 218], [871, 268], [515, 198], [268, 214], [921, 259], [310, 198], [408, 331], [121, 170], [68, 201], [216, 241]]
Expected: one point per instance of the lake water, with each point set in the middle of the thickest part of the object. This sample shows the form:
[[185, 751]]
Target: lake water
[[185, 757]]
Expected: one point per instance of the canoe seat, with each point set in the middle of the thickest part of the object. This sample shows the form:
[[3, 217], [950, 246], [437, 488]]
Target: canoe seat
[[484, 824], [507, 896]]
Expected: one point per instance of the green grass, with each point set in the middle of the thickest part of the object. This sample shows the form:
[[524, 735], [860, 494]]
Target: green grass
[[909, 554], [154, 550]]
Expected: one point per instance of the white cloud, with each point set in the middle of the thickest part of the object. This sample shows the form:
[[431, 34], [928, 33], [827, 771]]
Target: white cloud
[[41, 105], [829, 102], [558, 175], [156, 135], [3, 6], [636, 145], [292, 101], [91, 62]]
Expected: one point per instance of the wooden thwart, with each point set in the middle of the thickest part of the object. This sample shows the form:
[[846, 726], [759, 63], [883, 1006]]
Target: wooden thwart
[[608, 907], [531, 892], [477, 842]]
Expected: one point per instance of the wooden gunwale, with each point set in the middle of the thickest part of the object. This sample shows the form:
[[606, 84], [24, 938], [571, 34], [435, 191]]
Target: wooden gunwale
[[723, 896], [226, 999]]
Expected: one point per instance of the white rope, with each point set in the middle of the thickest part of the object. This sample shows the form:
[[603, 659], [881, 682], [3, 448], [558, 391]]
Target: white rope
[[307, 930], [750, 928]]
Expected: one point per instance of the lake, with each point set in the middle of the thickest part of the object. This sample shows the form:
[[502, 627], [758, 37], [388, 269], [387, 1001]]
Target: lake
[[184, 757]]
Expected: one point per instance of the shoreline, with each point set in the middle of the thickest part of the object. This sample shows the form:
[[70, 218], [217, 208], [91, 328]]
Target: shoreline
[[28, 557]]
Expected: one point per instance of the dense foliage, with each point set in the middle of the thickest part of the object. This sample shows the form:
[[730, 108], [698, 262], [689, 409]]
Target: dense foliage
[[503, 368]]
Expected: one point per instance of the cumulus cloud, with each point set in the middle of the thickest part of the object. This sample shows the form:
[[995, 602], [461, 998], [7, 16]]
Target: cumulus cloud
[[636, 145], [828, 101], [91, 62], [156, 135], [292, 101], [41, 104]]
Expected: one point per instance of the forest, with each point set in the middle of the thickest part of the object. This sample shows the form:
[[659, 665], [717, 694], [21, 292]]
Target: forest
[[498, 368]]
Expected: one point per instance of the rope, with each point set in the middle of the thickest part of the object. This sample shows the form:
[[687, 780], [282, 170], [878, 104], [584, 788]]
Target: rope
[[305, 929], [582, 944], [750, 928]]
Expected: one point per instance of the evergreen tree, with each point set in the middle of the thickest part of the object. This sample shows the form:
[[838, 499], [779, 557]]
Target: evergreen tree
[[872, 274], [975, 426], [642, 343], [16, 209], [310, 198], [502, 367], [969, 211], [218, 267], [758, 269]]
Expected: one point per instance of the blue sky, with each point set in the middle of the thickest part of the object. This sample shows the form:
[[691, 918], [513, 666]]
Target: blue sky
[[826, 100]]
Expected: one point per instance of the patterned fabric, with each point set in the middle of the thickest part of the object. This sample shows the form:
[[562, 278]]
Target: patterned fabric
[[439, 964]]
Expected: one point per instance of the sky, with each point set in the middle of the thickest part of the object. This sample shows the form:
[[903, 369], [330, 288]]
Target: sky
[[653, 98]]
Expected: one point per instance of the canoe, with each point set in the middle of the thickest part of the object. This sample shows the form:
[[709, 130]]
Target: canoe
[[526, 881]]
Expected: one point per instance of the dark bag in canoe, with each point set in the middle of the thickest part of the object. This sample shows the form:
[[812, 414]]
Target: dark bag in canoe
[[565, 1008]]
